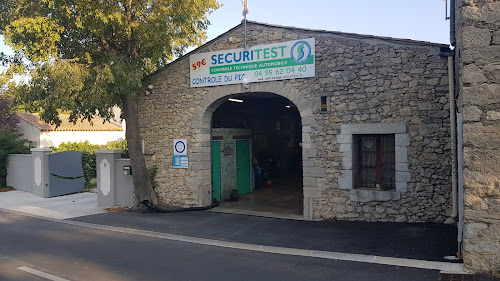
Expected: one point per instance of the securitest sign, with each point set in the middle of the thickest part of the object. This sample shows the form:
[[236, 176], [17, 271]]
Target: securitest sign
[[287, 60]]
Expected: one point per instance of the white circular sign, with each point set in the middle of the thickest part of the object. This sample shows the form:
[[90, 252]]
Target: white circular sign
[[180, 147]]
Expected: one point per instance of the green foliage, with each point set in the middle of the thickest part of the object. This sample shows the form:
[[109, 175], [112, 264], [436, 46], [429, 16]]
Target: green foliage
[[84, 56], [119, 145], [10, 143], [152, 172], [8, 118], [88, 156]]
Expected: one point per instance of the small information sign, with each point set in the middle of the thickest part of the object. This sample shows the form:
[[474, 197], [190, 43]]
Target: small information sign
[[180, 161], [180, 147]]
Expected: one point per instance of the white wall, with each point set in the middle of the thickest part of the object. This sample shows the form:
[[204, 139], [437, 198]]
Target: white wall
[[29, 132], [48, 139]]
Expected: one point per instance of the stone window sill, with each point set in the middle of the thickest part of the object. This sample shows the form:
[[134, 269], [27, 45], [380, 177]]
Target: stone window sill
[[369, 195]]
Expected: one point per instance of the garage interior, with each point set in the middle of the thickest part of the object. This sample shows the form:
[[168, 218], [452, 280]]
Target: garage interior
[[257, 156]]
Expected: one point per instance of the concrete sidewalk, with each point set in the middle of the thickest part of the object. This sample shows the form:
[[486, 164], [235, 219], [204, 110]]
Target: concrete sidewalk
[[60, 207]]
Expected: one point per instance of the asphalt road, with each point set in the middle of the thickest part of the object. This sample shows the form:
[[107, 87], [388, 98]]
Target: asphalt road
[[423, 241], [78, 253]]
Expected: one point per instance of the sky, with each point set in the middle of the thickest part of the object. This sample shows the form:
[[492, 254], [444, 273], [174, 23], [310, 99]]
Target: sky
[[411, 19]]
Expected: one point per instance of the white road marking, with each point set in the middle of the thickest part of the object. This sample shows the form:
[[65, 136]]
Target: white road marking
[[41, 274]]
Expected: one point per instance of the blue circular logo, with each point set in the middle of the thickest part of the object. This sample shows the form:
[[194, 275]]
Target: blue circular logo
[[180, 147], [300, 52]]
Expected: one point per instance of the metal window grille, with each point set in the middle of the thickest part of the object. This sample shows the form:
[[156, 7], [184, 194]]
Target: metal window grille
[[375, 165]]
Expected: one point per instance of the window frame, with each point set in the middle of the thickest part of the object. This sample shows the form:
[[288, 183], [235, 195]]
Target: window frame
[[359, 155], [346, 148]]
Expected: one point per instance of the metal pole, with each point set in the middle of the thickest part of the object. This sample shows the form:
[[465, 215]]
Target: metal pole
[[245, 27]]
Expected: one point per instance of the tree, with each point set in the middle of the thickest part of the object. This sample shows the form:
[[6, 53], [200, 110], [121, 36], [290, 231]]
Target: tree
[[85, 56], [10, 143], [8, 118]]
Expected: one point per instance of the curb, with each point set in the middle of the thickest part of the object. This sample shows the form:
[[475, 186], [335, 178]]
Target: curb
[[413, 263]]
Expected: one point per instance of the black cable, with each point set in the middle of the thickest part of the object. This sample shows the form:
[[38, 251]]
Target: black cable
[[161, 210]]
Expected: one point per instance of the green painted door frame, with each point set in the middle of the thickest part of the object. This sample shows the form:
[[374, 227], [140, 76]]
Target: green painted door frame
[[243, 166], [216, 171]]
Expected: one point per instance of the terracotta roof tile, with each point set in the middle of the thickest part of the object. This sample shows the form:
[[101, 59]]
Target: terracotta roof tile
[[97, 124]]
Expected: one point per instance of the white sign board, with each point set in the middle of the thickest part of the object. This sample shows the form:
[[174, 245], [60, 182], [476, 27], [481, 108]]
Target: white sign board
[[287, 60], [180, 147]]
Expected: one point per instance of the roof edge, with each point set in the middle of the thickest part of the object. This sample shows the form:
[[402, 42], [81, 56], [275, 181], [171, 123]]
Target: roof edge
[[356, 35], [339, 33]]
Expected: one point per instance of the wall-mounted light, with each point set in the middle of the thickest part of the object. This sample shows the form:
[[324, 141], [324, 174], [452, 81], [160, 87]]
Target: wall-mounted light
[[235, 100], [149, 90], [287, 106], [245, 83]]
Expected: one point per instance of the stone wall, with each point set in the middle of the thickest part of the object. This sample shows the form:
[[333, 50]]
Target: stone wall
[[366, 79], [478, 47]]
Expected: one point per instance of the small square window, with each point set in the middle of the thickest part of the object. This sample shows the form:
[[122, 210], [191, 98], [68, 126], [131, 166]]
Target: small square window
[[374, 162], [324, 105], [30, 144]]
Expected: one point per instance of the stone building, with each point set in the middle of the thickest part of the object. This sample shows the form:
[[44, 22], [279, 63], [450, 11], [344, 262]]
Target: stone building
[[477, 55], [364, 134]]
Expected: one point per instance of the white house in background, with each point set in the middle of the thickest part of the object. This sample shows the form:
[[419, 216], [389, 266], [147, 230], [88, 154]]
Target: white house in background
[[41, 134]]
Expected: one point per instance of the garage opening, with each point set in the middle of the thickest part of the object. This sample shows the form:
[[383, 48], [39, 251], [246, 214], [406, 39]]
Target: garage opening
[[257, 156]]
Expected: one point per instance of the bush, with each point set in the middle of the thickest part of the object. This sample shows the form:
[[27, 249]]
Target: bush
[[10, 143], [88, 156], [119, 144], [152, 172]]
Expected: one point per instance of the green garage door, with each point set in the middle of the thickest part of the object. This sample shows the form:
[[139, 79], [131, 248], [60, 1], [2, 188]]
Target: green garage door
[[243, 166], [216, 171]]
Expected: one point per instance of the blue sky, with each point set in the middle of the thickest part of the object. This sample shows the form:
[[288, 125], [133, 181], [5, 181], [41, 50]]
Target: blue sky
[[412, 19]]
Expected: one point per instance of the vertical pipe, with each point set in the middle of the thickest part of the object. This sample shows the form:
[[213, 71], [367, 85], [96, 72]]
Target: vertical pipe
[[460, 186], [453, 126], [452, 23], [245, 27]]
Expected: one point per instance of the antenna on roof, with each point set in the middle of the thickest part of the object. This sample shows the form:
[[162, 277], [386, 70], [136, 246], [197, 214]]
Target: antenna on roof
[[244, 3]]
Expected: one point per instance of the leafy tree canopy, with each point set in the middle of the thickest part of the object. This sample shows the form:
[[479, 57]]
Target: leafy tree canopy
[[82, 56], [8, 118], [85, 56]]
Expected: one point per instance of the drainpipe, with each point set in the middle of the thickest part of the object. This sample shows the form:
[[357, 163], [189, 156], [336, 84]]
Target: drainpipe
[[453, 40], [453, 119], [453, 132]]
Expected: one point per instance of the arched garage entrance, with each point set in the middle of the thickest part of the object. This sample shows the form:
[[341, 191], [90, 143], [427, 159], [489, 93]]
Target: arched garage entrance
[[257, 155], [202, 141]]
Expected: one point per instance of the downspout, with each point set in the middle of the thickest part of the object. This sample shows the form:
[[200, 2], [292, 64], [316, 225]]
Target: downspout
[[453, 40], [453, 119], [453, 132], [461, 187], [453, 135]]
